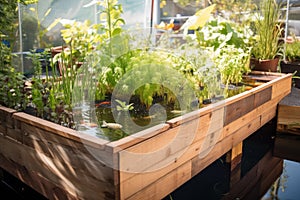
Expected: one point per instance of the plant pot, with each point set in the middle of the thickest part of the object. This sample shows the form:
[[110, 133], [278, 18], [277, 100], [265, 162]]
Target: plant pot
[[291, 67], [57, 49], [269, 65]]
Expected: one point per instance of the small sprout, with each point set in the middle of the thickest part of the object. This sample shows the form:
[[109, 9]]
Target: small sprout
[[123, 107]]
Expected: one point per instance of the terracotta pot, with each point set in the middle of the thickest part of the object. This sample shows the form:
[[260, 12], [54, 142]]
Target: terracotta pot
[[270, 65]]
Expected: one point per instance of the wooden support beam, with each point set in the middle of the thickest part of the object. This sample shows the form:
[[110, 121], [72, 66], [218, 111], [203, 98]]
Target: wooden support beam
[[234, 158]]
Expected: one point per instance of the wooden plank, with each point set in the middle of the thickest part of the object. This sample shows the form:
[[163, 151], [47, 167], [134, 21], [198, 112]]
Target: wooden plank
[[77, 180], [270, 107], [14, 134], [62, 150], [136, 138], [281, 86], [6, 119], [165, 185], [262, 97], [151, 176], [288, 114], [164, 148], [225, 145], [288, 119], [234, 156], [34, 180], [243, 106], [263, 76], [141, 180], [270, 114], [168, 161], [237, 109]]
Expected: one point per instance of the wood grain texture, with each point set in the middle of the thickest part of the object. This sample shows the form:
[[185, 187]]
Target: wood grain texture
[[288, 119]]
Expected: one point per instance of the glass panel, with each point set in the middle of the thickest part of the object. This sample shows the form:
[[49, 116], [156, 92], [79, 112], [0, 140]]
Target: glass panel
[[38, 30]]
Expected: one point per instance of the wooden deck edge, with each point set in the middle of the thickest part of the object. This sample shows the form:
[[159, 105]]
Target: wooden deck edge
[[288, 119]]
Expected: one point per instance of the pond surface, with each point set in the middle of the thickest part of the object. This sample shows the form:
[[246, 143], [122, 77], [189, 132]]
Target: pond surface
[[90, 118]]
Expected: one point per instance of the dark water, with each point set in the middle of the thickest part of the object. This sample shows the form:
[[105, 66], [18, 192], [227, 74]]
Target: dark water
[[289, 182], [214, 181]]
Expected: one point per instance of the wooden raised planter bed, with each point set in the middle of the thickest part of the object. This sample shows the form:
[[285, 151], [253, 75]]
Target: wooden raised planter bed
[[61, 163]]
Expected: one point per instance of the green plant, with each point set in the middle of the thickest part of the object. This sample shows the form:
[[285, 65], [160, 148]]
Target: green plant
[[110, 15], [229, 47], [268, 31], [292, 50], [12, 92], [82, 39], [219, 32], [123, 107], [233, 63], [5, 54], [234, 10], [8, 24]]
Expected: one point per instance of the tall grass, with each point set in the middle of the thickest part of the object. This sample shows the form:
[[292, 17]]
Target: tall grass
[[268, 30]]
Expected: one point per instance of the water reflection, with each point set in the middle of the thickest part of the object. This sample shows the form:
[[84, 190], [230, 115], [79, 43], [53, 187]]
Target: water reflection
[[262, 174], [286, 146]]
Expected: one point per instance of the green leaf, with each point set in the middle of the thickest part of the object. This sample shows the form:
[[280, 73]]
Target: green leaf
[[116, 31]]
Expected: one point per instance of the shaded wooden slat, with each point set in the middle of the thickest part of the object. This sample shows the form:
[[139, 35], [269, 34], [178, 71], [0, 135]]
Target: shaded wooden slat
[[262, 97], [288, 119], [60, 172], [165, 184], [6, 119], [238, 109], [281, 86], [160, 150], [243, 106]]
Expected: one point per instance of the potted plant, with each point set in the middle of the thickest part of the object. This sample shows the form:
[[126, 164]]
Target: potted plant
[[267, 46], [291, 64]]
